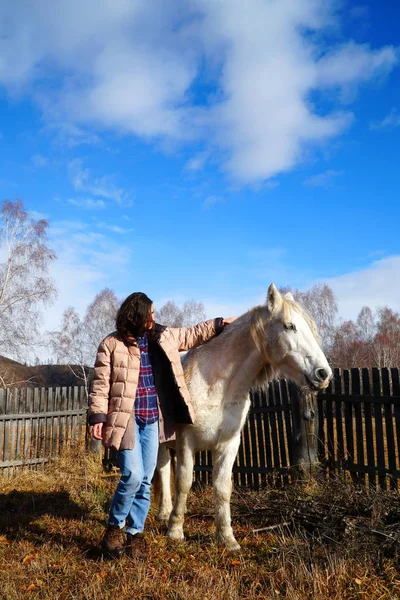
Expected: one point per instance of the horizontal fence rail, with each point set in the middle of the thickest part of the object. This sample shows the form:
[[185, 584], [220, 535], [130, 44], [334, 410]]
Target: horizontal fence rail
[[357, 430], [265, 453], [37, 423], [359, 426]]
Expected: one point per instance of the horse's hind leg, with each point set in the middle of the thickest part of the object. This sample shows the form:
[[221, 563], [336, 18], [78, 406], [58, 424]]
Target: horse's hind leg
[[223, 459], [183, 483], [164, 472]]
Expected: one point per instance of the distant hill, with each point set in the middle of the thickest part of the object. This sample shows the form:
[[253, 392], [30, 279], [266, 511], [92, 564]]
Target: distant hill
[[15, 373]]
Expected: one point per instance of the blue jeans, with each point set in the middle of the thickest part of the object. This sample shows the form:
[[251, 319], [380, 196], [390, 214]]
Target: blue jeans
[[131, 500]]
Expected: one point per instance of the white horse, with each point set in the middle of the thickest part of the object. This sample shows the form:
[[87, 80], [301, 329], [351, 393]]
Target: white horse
[[276, 338]]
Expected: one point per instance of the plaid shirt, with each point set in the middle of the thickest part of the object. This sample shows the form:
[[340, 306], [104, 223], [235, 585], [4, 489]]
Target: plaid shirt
[[146, 409]]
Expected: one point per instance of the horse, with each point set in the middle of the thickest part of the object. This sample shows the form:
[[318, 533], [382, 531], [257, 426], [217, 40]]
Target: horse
[[277, 338]]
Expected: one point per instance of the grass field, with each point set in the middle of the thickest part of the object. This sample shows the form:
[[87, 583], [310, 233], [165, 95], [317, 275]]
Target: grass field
[[318, 541]]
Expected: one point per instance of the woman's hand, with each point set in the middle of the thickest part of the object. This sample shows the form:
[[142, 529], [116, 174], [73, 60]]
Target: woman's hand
[[97, 431], [229, 320]]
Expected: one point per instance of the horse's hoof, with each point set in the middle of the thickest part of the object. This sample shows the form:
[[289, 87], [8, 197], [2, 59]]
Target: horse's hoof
[[233, 547], [231, 544], [176, 536]]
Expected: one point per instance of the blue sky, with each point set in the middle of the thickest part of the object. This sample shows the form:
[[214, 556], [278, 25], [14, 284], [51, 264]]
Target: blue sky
[[203, 149]]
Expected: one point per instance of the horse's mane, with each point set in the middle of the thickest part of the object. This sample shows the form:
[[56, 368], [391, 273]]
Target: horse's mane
[[256, 317], [269, 371]]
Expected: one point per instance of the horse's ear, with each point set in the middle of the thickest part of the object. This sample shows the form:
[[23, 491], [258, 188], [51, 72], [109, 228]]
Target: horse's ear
[[289, 296], [274, 299]]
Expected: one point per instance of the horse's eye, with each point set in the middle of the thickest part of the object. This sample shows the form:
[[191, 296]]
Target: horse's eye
[[290, 326]]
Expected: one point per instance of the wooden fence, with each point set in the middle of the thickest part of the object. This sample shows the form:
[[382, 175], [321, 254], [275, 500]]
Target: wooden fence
[[359, 426], [265, 452], [357, 430], [36, 423]]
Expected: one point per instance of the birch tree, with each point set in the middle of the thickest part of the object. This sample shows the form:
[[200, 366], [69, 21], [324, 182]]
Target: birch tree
[[320, 301], [386, 346], [170, 314], [25, 285], [77, 340], [373, 340]]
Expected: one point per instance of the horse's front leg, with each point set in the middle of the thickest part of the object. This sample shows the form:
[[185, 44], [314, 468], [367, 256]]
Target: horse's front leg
[[183, 483], [223, 459], [164, 471]]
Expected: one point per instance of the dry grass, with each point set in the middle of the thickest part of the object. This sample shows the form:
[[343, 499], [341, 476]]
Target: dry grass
[[327, 541]]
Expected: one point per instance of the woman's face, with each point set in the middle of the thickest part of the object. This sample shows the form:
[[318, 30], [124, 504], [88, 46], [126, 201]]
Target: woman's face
[[150, 321]]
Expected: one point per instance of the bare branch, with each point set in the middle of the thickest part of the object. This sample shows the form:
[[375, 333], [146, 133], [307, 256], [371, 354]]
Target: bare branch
[[170, 314], [77, 340], [25, 285]]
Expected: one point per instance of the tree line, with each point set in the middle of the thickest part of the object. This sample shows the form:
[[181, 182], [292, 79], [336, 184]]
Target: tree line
[[26, 288]]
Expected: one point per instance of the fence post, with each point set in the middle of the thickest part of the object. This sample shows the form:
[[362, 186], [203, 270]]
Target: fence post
[[304, 436]]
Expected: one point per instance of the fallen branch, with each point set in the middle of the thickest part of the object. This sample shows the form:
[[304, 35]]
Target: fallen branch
[[271, 527]]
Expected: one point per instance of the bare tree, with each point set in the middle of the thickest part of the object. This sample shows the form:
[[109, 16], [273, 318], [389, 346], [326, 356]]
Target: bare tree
[[70, 344], [386, 346], [366, 326], [25, 286], [373, 340], [170, 314], [348, 350], [100, 319], [77, 340]]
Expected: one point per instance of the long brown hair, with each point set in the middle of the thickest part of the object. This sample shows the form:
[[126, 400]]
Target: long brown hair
[[133, 315]]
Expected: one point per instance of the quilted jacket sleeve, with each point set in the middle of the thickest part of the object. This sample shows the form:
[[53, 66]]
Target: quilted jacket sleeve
[[98, 398], [190, 337]]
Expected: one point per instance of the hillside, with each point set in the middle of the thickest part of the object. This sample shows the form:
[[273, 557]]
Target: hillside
[[15, 373]]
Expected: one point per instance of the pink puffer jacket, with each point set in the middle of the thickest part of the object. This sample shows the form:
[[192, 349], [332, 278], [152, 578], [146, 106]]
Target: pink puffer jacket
[[116, 375]]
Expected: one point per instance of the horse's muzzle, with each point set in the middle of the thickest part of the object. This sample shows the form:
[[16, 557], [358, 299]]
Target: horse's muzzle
[[321, 381]]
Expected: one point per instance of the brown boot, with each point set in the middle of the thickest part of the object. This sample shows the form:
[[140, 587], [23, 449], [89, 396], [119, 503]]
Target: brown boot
[[137, 545], [113, 542]]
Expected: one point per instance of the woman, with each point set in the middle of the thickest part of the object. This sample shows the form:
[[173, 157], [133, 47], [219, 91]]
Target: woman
[[138, 394]]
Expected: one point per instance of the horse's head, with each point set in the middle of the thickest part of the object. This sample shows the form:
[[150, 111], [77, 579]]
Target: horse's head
[[290, 341]]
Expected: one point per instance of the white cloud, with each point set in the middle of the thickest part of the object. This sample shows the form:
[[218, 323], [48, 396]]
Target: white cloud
[[197, 162], [219, 308], [351, 64], [87, 261], [211, 201], [376, 285], [102, 187], [322, 179], [88, 203], [38, 160], [115, 228], [38, 216], [133, 67], [391, 120], [72, 135]]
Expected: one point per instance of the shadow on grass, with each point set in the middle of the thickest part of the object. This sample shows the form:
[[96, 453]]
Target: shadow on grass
[[20, 508], [19, 512]]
